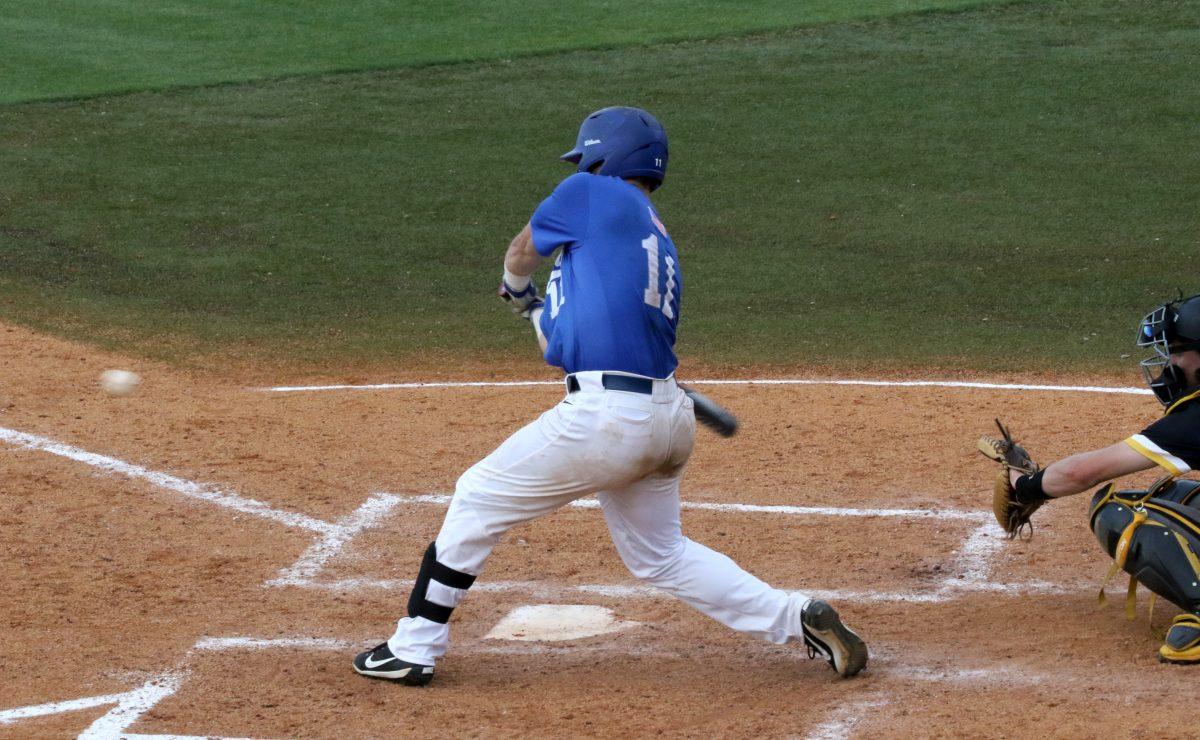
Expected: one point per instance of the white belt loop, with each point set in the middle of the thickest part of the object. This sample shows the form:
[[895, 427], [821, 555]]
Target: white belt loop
[[590, 381], [665, 390]]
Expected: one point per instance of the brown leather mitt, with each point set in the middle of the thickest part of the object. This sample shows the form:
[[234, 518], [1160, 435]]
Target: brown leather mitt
[[1013, 515]]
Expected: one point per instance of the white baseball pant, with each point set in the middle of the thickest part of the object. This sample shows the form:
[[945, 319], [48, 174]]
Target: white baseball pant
[[629, 449]]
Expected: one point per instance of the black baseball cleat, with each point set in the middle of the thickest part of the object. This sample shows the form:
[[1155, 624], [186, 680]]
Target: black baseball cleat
[[825, 634], [378, 662]]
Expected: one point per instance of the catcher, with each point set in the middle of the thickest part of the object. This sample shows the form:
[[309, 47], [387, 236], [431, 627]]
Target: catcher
[[1153, 534]]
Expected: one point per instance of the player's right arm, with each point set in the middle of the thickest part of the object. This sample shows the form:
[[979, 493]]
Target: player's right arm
[[1169, 443], [1084, 470]]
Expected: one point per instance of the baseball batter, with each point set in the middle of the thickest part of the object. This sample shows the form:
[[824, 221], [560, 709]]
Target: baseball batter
[[1153, 534], [624, 429]]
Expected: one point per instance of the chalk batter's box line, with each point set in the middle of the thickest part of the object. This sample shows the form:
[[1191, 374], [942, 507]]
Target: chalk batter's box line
[[749, 381], [131, 706], [972, 558], [442, 499], [949, 590], [968, 571], [333, 537], [231, 500]]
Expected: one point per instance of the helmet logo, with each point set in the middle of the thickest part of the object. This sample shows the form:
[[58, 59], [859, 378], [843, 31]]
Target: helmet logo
[[622, 142]]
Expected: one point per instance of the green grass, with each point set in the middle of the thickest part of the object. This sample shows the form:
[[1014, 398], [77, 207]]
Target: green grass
[[73, 48], [1008, 188]]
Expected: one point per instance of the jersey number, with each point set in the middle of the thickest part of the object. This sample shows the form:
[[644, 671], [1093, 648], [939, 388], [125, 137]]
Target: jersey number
[[651, 295], [554, 296]]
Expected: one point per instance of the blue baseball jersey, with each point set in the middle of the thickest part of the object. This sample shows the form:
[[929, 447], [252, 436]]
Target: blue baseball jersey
[[612, 301]]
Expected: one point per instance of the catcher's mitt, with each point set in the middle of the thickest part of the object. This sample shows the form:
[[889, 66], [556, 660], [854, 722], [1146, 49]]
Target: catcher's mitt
[[1011, 513]]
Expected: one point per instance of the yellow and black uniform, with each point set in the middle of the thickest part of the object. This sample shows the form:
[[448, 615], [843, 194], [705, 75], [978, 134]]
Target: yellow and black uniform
[[1154, 536], [1173, 442]]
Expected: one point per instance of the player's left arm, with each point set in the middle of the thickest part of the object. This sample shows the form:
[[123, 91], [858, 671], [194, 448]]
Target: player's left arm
[[521, 260], [1084, 470]]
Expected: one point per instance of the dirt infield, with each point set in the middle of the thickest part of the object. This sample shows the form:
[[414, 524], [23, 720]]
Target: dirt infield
[[204, 558]]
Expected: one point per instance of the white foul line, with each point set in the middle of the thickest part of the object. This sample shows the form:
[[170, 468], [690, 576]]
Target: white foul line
[[183, 487], [333, 536], [750, 381]]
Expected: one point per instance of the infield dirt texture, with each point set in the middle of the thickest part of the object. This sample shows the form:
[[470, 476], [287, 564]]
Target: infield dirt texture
[[226, 198]]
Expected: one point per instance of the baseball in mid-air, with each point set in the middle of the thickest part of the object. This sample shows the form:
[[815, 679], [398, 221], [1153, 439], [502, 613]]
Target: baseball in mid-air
[[119, 382]]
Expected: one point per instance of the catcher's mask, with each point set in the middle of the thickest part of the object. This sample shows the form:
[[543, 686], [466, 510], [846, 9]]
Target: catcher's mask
[[1171, 328], [621, 142]]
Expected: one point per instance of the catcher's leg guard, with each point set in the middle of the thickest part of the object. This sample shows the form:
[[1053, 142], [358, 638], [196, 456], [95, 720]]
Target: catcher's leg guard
[[438, 589], [1154, 540]]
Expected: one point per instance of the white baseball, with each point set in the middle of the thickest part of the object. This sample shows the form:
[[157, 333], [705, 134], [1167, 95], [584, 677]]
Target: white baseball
[[119, 382]]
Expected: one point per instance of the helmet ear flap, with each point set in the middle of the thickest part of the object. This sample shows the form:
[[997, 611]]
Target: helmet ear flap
[[649, 163]]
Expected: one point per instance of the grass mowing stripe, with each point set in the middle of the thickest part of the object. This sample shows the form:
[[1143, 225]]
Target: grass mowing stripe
[[84, 48], [1002, 189]]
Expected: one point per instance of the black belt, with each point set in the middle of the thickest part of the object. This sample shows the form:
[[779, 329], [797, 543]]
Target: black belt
[[617, 383]]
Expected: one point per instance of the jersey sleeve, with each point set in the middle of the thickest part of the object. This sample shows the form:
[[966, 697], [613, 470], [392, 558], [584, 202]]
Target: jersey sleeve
[[1172, 442], [562, 219]]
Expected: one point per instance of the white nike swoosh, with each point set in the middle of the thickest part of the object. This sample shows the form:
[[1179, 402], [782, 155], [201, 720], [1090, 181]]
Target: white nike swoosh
[[375, 664]]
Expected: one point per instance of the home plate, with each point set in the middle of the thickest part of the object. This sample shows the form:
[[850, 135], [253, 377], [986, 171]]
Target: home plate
[[549, 622]]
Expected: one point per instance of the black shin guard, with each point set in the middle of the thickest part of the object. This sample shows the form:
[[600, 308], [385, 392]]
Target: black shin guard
[[1156, 540], [419, 604]]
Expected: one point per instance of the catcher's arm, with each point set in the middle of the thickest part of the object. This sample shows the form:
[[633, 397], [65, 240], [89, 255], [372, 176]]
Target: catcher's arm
[[1021, 487], [710, 413], [1079, 472]]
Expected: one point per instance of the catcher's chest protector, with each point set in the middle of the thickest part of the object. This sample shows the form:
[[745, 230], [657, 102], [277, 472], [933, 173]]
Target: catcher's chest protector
[[1156, 540]]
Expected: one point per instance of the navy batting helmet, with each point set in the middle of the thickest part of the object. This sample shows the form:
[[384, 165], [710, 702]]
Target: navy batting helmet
[[621, 142], [1171, 328]]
